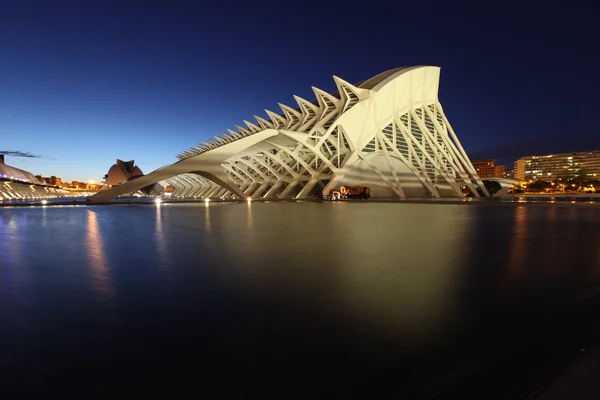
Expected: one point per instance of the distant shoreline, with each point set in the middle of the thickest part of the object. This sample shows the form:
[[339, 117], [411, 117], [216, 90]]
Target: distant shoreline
[[517, 198]]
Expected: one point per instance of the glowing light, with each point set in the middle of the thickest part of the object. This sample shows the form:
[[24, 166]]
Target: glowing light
[[44, 201], [158, 201], [249, 199]]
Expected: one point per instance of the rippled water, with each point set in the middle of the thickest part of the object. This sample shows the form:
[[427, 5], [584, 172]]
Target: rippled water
[[302, 300]]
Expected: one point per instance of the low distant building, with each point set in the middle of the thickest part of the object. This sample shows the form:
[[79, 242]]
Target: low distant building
[[122, 171], [509, 173], [49, 180], [78, 185], [488, 169], [559, 166], [54, 181]]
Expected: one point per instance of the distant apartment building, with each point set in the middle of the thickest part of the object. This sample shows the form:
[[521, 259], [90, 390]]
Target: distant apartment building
[[519, 169], [559, 166], [499, 171], [489, 169], [509, 173]]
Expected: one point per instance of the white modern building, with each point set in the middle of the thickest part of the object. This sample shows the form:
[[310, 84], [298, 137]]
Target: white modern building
[[389, 133]]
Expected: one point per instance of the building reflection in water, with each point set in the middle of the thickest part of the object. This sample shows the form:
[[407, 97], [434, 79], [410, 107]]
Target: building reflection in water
[[394, 269], [518, 244], [403, 268], [101, 281]]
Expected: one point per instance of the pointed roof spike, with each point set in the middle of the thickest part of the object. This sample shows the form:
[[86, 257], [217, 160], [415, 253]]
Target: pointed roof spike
[[289, 109], [263, 123], [227, 138], [235, 134], [309, 111], [294, 117], [305, 104], [253, 128], [341, 84], [320, 94], [278, 118], [243, 131]]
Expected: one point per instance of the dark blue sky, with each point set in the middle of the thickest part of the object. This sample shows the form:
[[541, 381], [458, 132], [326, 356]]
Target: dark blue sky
[[85, 82]]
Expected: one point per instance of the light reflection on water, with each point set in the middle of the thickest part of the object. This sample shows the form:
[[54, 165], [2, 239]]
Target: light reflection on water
[[518, 245], [98, 265], [412, 290], [162, 249]]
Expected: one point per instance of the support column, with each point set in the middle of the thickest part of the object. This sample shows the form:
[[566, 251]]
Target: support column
[[221, 193], [288, 188], [216, 190], [337, 178], [260, 190], [307, 188], [251, 188], [207, 190], [271, 192]]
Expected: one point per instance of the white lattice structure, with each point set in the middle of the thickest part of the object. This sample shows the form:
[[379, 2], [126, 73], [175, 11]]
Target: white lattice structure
[[389, 133]]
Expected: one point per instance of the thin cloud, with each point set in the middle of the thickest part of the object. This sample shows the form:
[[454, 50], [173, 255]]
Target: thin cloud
[[25, 154]]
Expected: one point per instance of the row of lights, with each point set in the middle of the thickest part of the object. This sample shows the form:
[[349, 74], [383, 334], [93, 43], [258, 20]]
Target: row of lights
[[158, 201]]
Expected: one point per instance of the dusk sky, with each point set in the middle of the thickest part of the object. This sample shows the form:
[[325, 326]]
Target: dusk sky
[[83, 83]]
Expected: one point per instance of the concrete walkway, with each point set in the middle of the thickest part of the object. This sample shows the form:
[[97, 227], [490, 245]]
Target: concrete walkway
[[580, 381]]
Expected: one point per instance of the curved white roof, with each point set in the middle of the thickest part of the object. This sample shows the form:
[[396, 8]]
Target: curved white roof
[[8, 172], [388, 132]]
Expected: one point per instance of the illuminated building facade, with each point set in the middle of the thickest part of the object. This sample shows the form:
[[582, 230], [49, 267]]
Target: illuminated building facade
[[559, 166], [509, 173], [519, 169], [484, 168], [388, 132], [489, 169]]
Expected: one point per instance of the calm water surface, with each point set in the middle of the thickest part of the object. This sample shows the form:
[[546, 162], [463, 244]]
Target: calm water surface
[[305, 300]]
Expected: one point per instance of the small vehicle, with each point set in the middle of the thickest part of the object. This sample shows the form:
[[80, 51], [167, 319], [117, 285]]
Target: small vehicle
[[334, 194], [355, 192]]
